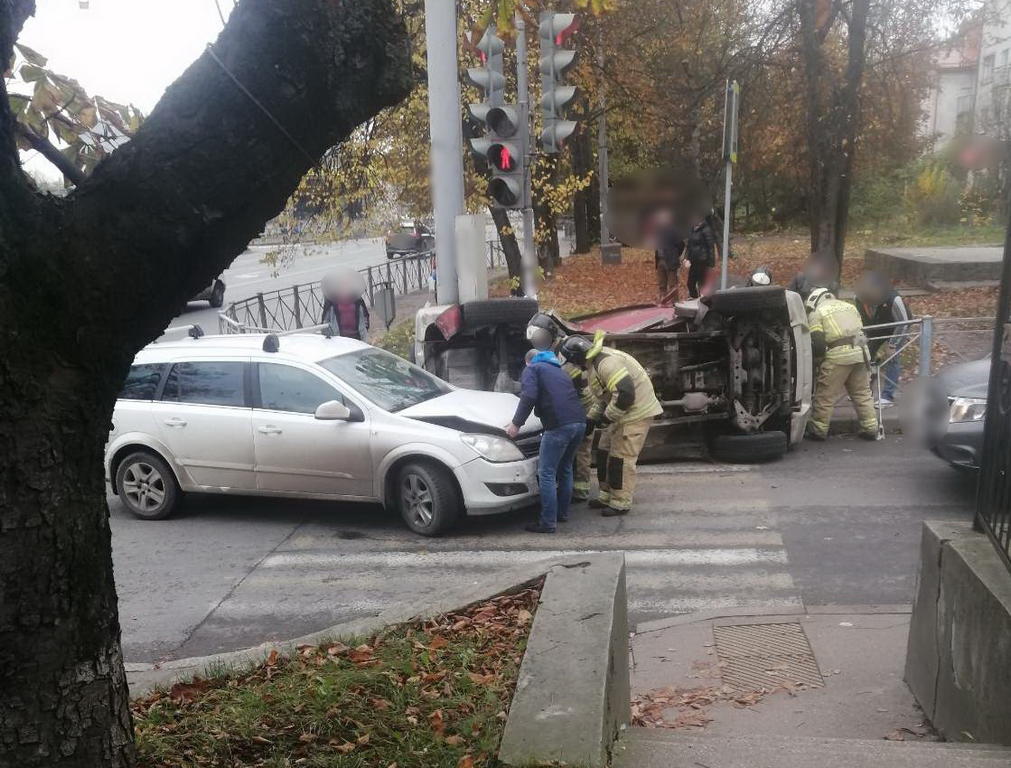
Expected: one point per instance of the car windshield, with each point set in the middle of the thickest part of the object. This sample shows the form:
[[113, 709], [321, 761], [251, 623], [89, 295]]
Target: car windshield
[[384, 379]]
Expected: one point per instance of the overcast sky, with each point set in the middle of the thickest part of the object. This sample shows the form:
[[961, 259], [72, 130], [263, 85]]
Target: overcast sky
[[125, 50]]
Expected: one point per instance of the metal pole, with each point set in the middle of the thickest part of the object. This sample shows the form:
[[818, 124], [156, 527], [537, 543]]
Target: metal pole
[[602, 173], [926, 344], [726, 224], [447, 139], [523, 99]]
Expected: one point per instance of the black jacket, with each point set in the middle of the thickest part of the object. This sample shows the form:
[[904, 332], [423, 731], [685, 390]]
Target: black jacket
[[892, 310], [701, 245]]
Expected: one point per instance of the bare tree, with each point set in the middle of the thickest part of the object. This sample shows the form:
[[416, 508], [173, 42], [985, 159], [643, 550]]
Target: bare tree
[[88, 279]]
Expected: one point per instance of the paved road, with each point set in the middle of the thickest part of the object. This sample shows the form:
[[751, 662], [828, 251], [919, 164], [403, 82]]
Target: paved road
[[248, 274], [837, 523]]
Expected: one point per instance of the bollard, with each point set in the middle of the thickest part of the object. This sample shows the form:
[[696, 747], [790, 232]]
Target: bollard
[[926, 344], [298, 308]]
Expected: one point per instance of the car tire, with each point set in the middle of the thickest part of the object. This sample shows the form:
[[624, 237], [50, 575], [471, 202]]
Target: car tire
[[750, 449], [426, 497], [754, 299], [217, 298], [146, 486], [479, 314]]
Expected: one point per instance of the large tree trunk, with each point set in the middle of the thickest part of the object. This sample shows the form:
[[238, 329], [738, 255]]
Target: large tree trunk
[[510, 248], [87, 280], [582, 165], [833, 115]]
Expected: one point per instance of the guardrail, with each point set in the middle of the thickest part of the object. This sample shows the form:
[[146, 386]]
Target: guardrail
[[301, 305]]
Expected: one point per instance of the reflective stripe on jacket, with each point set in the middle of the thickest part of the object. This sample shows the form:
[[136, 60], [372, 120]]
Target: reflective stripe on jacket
[[609, 370], [839, 321]]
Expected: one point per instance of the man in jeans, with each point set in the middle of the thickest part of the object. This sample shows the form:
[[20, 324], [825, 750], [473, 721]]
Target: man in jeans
[[549, 389]]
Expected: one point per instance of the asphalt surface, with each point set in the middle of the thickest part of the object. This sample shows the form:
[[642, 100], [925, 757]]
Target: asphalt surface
[[835, 523], [249, 275]]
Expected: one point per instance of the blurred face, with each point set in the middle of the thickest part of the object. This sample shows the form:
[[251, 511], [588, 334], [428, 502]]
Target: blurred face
[[869, 290]]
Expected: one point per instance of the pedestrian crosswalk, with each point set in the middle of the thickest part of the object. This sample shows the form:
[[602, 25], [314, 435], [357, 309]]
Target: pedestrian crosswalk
[[695, 542]]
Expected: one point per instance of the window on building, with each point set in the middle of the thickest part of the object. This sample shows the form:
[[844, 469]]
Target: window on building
[[1002, 61], [987, 75]]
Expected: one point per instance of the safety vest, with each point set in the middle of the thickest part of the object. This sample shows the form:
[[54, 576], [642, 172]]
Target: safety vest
[[608, 368], [841, 324]]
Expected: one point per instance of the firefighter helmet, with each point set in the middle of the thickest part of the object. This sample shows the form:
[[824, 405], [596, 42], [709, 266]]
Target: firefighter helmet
[[541, 331], [576, 348], [816, 297]]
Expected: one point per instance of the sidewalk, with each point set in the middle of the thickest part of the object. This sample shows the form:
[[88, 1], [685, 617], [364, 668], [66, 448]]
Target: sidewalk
[[756, 675]]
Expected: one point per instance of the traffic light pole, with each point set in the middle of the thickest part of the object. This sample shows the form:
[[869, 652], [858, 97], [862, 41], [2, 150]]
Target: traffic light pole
[[447, 141], [529, 266], [602, 175]]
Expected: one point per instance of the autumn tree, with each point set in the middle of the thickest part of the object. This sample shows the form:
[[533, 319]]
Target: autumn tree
[[88, 279]]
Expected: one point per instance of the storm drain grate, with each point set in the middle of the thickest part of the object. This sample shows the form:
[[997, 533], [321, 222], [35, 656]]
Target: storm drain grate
[[755, 656]]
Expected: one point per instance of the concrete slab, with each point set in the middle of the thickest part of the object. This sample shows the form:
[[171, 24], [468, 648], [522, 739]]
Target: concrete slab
[[929, 266], [959, 661], [572, 694], [860, 655]]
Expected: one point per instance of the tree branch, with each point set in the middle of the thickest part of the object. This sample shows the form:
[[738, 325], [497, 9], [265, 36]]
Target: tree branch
[[45, 148], [169, 210]]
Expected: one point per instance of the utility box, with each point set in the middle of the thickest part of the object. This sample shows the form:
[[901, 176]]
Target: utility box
[[384, 304], [471, 262], [610, 253]]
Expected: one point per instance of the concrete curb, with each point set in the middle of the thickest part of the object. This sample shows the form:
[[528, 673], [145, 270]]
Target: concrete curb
[[572, 697], [658, 625], [145, 677]]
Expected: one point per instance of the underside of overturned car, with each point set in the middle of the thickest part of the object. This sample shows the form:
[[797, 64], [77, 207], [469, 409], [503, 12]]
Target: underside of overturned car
[[733, 370]]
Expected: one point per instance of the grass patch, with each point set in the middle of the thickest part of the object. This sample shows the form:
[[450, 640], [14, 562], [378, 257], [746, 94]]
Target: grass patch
[[399, 339], [416, 696]]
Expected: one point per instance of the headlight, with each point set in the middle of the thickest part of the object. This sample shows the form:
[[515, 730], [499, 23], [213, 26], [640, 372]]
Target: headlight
[[496, 449], [965, 409]]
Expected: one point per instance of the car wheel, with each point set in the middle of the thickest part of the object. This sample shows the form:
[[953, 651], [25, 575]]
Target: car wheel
[[217, 295], [478, 314], [737, 300], [427, 498], [749, 449], [147, 486]]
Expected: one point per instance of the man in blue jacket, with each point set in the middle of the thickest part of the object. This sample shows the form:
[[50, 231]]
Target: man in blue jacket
[[549, 389]]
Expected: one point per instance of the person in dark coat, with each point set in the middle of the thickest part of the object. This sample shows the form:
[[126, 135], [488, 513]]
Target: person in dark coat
[[344, 308], [879, 304], [549, 389], [670, 245], [701, 254]]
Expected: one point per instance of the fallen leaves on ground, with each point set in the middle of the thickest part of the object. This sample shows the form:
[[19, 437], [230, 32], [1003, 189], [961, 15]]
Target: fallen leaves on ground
[[691, 705], [432, 693]]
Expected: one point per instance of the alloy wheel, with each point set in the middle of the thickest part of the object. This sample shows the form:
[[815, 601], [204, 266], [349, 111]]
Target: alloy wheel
[[418, 500], [144, 486]]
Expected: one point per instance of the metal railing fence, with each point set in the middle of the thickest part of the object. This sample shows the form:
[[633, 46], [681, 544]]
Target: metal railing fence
[[302, 305]]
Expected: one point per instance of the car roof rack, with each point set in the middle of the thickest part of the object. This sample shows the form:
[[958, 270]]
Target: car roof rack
[[192, 330]]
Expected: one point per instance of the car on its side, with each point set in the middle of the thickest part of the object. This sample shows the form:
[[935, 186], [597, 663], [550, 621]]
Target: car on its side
[[307, 416], [408, 239], [213, 294], [733, 371], [956, 411]]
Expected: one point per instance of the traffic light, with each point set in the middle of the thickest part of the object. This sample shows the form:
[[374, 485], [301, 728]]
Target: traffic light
[[502, 144], [554, 31]]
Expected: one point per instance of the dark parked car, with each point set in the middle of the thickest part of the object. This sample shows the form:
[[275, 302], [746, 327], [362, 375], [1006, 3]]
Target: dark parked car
[[409, 238], [956, 408], [213, 294]]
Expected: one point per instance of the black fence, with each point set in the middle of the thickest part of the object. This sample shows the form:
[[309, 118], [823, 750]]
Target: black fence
[[993, 495], [302, 305]]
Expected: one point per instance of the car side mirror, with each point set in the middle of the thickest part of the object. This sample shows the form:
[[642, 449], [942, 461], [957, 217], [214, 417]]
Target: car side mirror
[[333, 410]]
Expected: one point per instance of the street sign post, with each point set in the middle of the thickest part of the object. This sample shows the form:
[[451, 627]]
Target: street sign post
[[733, 95]]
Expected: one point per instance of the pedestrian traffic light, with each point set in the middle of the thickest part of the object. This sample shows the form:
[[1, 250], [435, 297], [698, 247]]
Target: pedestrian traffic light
[[554, 32], [502, 145]]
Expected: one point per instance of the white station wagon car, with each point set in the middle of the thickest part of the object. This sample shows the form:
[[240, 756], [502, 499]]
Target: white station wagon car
[[317, 417]]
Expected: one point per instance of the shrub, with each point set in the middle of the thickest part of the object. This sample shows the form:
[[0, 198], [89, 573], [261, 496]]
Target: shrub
[[933, 197]]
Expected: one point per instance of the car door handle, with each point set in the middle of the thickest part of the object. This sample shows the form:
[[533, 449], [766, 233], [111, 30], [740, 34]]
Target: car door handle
[[175, 421], [269, 430]]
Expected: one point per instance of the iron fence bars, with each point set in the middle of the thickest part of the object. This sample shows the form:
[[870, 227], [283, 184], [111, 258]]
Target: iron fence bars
[[993, 492]]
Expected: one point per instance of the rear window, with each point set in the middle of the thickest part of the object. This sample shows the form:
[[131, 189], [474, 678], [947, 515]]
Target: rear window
[[206, 383], [142, 381]]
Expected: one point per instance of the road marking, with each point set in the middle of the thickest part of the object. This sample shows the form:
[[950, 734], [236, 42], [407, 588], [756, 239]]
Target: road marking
[[501, 558]]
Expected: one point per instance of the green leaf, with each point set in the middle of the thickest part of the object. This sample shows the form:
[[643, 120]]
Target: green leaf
[[18, 103], [30, 55], [30, 73]]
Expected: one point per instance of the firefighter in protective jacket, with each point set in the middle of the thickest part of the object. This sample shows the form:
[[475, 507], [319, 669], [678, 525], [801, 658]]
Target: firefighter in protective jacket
[[623, 405], [838, 342]]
